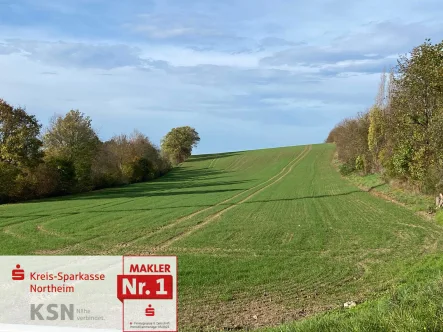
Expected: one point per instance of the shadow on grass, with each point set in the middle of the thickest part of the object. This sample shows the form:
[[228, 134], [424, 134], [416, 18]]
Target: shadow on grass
[[304, 197], [181, 177], [184, 174], [94, 211], [374, 187], [174, 183]]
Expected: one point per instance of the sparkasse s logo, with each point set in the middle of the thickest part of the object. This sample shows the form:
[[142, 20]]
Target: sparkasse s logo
[[18, 273]]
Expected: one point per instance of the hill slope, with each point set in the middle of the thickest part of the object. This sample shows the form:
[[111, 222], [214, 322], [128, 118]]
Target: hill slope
[[262, 236]]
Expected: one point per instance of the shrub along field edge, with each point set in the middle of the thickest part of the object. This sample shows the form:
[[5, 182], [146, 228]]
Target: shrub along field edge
[[422, 204]]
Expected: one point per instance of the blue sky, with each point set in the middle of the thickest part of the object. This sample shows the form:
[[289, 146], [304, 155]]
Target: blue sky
[[247, 74]]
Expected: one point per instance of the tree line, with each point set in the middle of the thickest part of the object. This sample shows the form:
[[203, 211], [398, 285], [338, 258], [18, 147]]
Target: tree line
[[68, 157], [400, 136]]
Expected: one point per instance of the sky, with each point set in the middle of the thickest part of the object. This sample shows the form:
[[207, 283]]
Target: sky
[[246, 74]]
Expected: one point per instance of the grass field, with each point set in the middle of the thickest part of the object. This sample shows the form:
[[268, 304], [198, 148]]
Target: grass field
[[263, 237]]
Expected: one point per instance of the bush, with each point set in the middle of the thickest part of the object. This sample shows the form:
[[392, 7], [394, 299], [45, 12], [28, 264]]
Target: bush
[[401, 134], [8, 175], [65, 173], [46, 180], [346, 169]]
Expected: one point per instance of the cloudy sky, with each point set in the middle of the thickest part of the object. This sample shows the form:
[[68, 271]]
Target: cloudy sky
[[246, 74]]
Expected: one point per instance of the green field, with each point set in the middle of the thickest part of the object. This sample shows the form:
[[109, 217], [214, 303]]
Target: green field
[[263, 237]]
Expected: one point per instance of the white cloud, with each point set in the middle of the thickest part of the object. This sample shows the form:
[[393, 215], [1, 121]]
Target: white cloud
[[246, 74], [179, 56]]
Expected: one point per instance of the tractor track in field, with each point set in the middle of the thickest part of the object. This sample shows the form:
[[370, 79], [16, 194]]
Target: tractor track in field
[[189, 216], [8, 231], [235, 161], [286, 170], [248, 252], [42, 229], [212, 163], [178, 221], [66, 250], [270, 271]]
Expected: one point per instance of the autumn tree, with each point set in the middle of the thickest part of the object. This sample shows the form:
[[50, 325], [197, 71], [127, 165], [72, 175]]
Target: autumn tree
[[404, 132], [105, 170], [351, 139], [20, 150], [71, 157], [148, 156], [134, 156], [417, 108], [129, 158], [19, 142], [71, 142], [377, 117], [179, 142]]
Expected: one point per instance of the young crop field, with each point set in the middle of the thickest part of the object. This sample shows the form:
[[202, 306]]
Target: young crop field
[[262, 237]]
